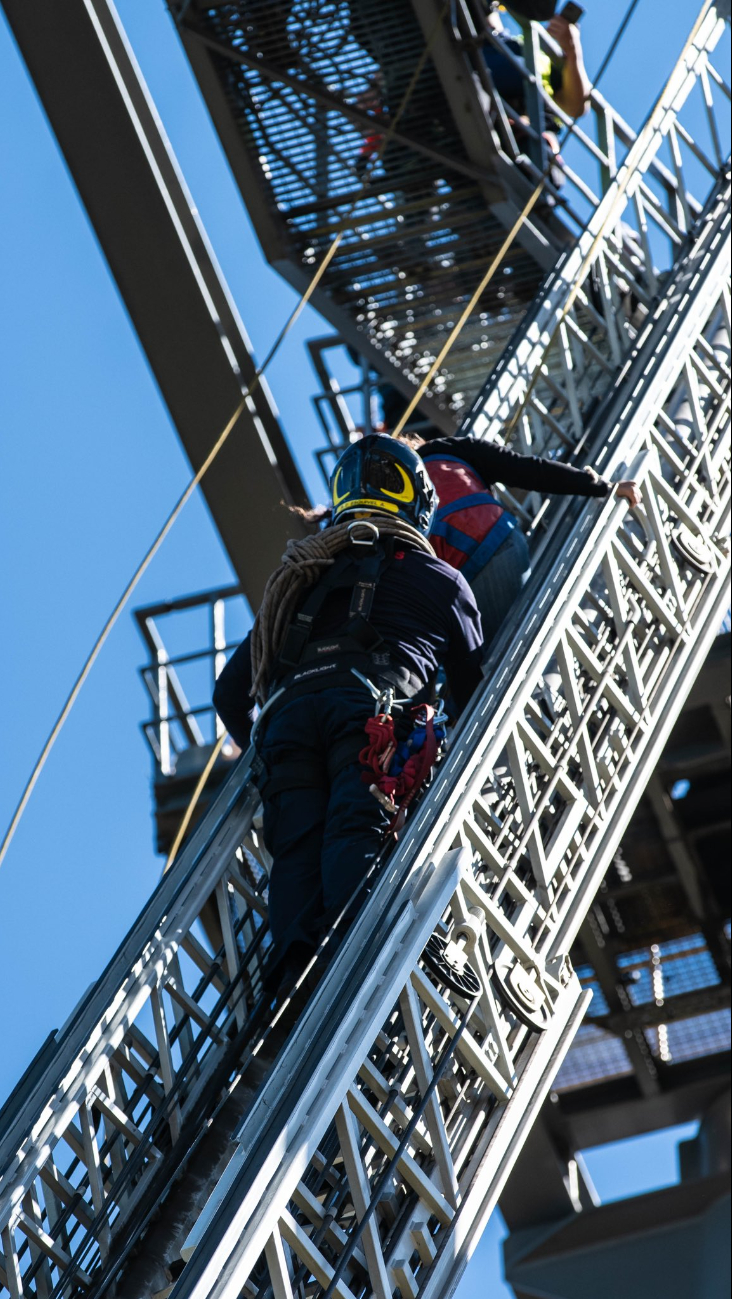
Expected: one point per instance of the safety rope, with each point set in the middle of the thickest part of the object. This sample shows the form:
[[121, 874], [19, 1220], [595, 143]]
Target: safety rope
[[303, 563], [193, 803], [614, 43], [388, 131], [623, 181]]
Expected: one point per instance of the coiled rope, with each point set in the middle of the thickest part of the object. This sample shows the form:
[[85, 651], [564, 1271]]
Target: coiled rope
[[303, 564]]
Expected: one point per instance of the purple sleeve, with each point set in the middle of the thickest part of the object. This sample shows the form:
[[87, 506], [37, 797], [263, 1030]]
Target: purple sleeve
[[231, 697], [465, 653]]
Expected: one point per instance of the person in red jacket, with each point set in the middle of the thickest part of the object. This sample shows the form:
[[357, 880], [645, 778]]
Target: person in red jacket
[[474, 533]]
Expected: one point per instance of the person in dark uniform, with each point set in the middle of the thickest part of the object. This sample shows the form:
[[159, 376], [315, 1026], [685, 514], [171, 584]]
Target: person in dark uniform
[[383, 611], [475, 533]]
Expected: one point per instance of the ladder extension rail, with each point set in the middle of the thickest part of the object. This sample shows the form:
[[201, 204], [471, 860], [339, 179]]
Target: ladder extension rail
[[567, 363], [566, 360], [527, 779], [536, 790]]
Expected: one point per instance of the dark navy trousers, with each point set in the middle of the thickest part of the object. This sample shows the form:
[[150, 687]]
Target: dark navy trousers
[[323, 837]]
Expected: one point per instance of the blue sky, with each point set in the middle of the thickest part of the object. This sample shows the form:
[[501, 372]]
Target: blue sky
[[90, 467]]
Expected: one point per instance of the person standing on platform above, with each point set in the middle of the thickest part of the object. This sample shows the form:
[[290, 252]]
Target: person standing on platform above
[[566, 83], [363, 606], [474, 532]]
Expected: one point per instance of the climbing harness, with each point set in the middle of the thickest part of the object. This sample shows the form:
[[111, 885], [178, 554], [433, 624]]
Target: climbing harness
[[282, 633], [400, 766], [302, 661]]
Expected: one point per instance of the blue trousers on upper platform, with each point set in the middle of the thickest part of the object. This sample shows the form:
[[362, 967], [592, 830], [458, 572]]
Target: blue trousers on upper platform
[[323, 837]]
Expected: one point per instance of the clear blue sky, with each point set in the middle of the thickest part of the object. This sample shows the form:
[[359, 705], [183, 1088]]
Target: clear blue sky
[[90, 467]]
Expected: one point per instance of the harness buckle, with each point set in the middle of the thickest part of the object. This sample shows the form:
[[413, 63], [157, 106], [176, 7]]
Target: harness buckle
[[363, 541]]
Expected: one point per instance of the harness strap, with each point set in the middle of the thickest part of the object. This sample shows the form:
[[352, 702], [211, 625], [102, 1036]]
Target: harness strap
[[366, 568]]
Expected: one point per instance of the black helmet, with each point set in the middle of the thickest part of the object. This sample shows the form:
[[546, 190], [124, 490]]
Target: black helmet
[[384, 474]]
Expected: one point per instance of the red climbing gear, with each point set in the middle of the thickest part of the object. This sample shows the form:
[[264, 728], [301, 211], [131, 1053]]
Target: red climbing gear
[[395, 791]]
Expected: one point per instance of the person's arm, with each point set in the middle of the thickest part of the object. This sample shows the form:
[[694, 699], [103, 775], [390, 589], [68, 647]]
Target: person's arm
[[573, 97], [465, 651], [496, 463], [231, 697], [501, 464]]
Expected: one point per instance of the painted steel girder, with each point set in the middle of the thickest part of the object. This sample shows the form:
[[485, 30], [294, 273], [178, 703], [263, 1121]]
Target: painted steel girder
[[157, 250]]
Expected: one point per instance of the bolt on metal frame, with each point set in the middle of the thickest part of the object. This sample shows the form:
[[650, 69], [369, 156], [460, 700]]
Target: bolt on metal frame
[[505, 852]]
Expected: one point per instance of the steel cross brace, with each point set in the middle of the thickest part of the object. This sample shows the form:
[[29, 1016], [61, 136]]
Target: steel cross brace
[[234, 1230]]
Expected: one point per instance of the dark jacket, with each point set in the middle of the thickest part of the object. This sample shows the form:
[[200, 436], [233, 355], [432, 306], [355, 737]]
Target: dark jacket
[[470, 524], [534, 473], [424, 610]]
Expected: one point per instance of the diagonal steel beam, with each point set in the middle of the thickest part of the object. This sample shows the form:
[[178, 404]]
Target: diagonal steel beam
[[130, 183]]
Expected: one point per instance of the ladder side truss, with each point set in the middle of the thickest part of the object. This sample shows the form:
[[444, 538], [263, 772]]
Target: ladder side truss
[[446, 1087], [421, 1098], [563, 361]]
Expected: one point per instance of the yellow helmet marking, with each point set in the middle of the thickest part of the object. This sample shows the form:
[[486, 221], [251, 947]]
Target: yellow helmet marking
[[336, 498], [370, 504], [407, 493]]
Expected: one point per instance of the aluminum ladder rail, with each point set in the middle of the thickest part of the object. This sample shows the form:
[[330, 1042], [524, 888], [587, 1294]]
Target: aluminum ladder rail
[[505, 853], [562, 362], [379, 1145]]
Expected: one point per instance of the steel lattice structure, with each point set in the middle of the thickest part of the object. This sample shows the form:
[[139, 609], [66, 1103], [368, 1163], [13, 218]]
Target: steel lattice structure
[[379, 1142], [290, 88]]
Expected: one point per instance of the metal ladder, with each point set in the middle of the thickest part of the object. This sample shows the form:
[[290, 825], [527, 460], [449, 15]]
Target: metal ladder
[[374, 1151], [287, 86]]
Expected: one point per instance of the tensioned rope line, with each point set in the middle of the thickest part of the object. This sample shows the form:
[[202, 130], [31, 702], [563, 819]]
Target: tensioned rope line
[[192, 805], [218, 444], [467, 312], [614, 43], [623, 181], [625, 175]]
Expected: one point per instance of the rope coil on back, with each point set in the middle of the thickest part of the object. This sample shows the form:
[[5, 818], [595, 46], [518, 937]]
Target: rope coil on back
[[303, 563]]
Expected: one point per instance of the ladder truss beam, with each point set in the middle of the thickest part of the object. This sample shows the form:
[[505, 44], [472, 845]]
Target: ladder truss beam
[[506, 851]]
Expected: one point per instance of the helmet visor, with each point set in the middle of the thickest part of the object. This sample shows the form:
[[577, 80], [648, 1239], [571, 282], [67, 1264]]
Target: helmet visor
[[373, 478]]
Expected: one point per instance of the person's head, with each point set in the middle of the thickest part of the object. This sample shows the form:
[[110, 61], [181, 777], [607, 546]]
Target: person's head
[[383, 475], [409, 438]]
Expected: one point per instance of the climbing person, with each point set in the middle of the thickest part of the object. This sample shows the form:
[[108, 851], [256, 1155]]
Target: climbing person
[[566, 83], [361, 607], [474, 532]]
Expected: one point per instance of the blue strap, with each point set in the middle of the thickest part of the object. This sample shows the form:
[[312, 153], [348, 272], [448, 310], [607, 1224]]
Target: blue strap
[[499, 533], [478, 552], [466, 502]]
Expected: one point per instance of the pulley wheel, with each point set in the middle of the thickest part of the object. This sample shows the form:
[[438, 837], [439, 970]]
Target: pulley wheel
[[523, 996], [451, 966], [693, 549]]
